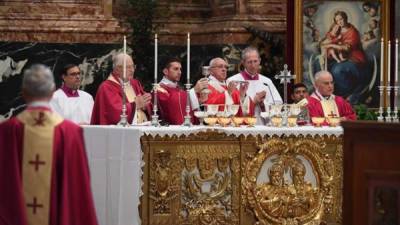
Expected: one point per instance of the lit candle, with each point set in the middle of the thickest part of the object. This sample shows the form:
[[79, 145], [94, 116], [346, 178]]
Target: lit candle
[[382, 46], [388, 58], [155, 59], [188, 58], [396, 62], [124, 65]]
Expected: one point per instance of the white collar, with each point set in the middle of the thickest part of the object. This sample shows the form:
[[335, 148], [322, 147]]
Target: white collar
[[168, 82], [332, 97], [212, 78], [39, 104]]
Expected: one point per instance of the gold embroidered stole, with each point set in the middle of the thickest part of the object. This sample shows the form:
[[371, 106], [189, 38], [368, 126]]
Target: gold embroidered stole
[[37, 163], [130, 94], [329, 107]]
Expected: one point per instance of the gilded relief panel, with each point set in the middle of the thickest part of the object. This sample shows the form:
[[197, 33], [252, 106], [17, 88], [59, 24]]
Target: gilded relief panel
[[210, 178]]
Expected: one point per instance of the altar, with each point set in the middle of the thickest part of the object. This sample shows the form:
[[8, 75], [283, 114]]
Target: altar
[[216, 175]]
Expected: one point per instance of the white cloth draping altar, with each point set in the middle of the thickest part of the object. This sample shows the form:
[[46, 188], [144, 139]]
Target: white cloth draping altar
[[115, 160]]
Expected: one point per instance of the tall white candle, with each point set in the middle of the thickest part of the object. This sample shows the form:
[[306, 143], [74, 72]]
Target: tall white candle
[[155, 58], [396, 62], [382, 56], [124, 65], [388, 58], [188, 58]]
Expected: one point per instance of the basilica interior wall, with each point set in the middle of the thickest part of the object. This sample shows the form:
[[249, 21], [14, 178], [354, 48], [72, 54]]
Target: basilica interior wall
[[89, 33]]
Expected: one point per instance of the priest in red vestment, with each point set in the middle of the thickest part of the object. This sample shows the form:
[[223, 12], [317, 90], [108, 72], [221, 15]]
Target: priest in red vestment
[[221, 93], [43, 165], [107, 107], [323, 103], [171, 98]]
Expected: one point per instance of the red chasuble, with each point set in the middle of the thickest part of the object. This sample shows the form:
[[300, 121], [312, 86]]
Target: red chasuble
[[345, 110], [108, 104], [217, 97], [172, 104], [68, 198]]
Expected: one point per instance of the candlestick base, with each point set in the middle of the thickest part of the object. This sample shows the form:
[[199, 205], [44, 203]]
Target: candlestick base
[[154, 121], [380, 117], [124, 121], [187, 122], [388, 117], [395, 117]]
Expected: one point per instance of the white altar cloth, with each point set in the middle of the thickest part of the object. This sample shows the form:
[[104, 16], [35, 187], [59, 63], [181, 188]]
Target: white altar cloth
[[115, 160]]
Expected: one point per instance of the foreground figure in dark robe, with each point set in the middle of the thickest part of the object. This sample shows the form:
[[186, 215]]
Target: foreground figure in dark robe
[[43, 165]]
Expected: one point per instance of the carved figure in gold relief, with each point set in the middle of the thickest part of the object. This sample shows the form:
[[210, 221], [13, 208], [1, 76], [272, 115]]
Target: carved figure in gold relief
[[206, 168], [287, 200], [303, 196], [273, 196]]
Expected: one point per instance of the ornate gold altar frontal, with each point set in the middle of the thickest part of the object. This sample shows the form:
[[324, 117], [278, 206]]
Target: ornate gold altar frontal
[[210, 178]]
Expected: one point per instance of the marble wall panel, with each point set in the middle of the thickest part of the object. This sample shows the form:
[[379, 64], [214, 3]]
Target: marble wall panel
[[95, 61]]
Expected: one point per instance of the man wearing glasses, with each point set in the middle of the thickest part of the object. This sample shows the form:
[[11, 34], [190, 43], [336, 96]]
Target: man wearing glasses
[[108, 103], [221, 93], [70, 102], [261, 90]]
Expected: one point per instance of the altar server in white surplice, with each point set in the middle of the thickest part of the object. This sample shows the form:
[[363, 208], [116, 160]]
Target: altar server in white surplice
[[68, 101], [261, 89]]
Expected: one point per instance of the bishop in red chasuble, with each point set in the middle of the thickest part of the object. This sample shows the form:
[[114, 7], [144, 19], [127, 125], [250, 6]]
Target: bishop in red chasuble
[[43, 165], [322, 103], [107, 107]]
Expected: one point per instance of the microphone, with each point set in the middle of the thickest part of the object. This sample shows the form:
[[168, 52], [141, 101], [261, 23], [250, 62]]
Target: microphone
[[270, 92]]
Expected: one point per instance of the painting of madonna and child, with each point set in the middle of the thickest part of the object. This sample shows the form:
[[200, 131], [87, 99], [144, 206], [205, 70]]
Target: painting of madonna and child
[[343, 37]]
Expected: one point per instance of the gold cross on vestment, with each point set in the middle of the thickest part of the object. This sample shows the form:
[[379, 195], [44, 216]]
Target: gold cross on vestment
[[37, 162], [34, 205], [40, 120], [332, 114]]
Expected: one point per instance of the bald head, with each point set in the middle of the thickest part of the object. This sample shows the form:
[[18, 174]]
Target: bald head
[[38, 83], [118, 63], [218, 68], [324, 83]]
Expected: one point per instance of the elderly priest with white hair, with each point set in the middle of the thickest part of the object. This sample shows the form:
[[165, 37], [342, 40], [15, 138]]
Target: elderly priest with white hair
[[43, 165], [323, 103], [107, 107]]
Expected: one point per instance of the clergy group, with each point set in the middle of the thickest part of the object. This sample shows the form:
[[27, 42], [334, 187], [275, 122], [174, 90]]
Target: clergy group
[[250, 90], [43, 159]]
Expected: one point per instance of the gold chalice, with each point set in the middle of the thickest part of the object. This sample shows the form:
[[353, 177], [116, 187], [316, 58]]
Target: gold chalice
[[237, 121], [333, 121], [250, 121], [276, 121], [317, 121], [292, 121], [224, 121], [211, 121]]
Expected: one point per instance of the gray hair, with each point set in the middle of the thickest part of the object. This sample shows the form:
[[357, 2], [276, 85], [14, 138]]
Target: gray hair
[[321, 73], [247, 50], [214, 61], [38, 81], [118, 60]]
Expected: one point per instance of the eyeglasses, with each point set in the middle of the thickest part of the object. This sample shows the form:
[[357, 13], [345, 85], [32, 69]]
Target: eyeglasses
[[128, 66], [75, 74], [221, 66], [252, 62]]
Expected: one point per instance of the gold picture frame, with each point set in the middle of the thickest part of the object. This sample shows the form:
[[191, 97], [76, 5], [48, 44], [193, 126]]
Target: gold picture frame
[[300, 25]]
